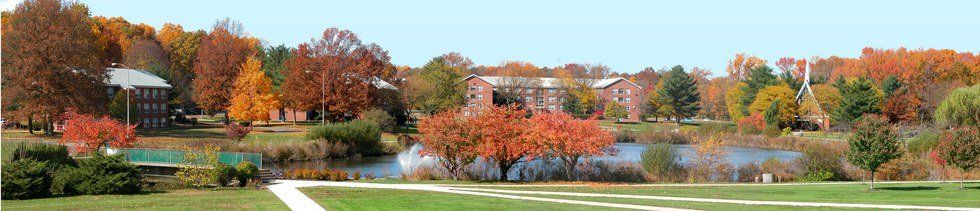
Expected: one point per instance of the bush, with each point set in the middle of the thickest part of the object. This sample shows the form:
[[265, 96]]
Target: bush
[[599, 171], [750, 172], [819, 161], [236, 131], [26, 179], [379, 117], [708, 128], [104, 174], [55, 155], [363, 136], [246, 172], [923, 143], [661, 162], [625, 136], [225, 173], [772, 131], [64, 181]]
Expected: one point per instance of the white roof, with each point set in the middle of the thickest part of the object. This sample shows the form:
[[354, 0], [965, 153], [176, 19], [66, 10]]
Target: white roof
[[546, 82], [130, 78], [382, 84]]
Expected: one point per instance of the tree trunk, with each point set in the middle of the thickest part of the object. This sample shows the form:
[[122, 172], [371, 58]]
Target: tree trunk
[[30, 125], [294, 117], [570, 167], [872, 180], [504, 168]]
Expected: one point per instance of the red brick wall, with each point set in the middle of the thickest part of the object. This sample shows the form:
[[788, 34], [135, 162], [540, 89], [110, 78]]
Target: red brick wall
[[289, 114], [479, 94], [152, 109], [634, 98]]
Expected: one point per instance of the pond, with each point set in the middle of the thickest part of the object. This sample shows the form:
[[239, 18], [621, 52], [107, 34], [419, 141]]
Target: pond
[[393, 165]]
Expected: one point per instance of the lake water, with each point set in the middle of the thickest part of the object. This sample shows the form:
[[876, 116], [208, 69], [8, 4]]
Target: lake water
[[393, 165]]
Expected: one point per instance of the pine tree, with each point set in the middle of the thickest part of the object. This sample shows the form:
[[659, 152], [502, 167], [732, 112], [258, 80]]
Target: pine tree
[[857, 98], [759, 77], [771, 114], [680, 92]]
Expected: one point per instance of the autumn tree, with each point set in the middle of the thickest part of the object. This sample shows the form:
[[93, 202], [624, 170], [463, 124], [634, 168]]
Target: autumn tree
[[733, 102], [148, 55], [578, 81], [504, 137], [51, 61], [181, 47], [679, 92], [519, 79], [457, 61], [759, 77], [858, 97], [786, 107], [873, 142], [219, 57], [117, 108], [960, 108], [116, 36], [738, 68], [961, 148], [88, 133], [253, 97], [561, 135], [435, 87], [298, 85], [451, 137], [615, 111], [652, 104]]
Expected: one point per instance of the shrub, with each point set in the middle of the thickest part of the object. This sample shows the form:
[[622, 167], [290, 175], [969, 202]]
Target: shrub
[[750, 172], [55, 155], [195, 171], [781, 170], [363, 136], [708, 161], [819, 161], [236, 131], [64, 180], [716, 128], [753, 124], [661, 162], [772, 131], [923, 143], [246, 172], [104, 174], [225, 173], [357, 175], [379, 117], [26, 179], [599, 171], [625, 136]]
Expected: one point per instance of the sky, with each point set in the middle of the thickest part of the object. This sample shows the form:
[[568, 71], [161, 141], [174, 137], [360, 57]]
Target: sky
[[624, 35]]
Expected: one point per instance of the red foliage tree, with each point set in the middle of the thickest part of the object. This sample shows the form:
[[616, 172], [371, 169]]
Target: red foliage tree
[[561, 135], [452, 138], [902, 106], [504, 137], [88, 133], [219, 57]]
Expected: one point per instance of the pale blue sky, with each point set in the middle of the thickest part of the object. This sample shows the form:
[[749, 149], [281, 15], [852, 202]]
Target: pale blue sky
[[625, 35]]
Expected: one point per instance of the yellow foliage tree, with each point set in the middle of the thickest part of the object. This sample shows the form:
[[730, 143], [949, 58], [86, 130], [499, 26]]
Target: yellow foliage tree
[[787, 102], [827, 97], [252, 98], [735, 107]]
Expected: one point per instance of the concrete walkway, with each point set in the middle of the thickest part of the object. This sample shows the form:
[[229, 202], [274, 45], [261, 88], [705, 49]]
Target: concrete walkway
[[296, 200]]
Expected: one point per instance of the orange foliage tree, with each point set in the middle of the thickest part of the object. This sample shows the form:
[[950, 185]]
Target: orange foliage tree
[[569, 139], [253, 96], [738, 68], [88, 133], [451, 137], [219, 57], [504, 136]]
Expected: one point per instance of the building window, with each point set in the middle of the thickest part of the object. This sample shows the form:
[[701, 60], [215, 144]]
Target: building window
[[551, 90], [155, 94], [146, 122], [163, 93], [551, 99], [627, 99], [479, 88], [155, 108], [627, 91], [137, 93], [540, 101], [163, 122], [529, 90], [527, 99], [479, 97], [551, 107], [615, 91], [146, 93], [146, 108]]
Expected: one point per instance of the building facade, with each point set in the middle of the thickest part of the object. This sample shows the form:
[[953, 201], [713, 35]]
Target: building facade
[[545, 94], [150, 95]]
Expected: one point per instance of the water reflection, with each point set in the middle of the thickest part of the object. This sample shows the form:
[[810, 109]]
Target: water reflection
[[393, 165]]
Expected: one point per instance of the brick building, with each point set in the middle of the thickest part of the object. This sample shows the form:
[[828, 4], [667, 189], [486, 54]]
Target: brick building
[[289, 114], [546, 94], [150, 95]]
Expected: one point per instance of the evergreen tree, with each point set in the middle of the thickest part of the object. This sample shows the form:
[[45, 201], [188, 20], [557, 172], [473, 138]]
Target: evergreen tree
[[890, 85], [858, 97], [759, 77], [679, 92], [771, 115]]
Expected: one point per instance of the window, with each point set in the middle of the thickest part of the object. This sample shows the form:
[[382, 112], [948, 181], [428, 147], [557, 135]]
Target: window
[[146, 108], [146, 93], [155, 121], [163, 93], [156, 94], [615, 91], [163, 122], [146, 122], [472, 88], [540, 101], [627, 108], [527, 99], [529, 90], [479, 88], [627, 99], [627, 91], [163, 108], [137, 93], [155, 108], [562, 99], [479, 97], [551, 99], [551, 90], [551, 107], [471, 96]]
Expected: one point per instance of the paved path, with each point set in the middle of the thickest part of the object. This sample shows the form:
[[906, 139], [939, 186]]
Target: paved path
[[296, 200]]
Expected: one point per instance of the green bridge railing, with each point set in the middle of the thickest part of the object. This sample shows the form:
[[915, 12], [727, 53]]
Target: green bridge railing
[[176, 157]]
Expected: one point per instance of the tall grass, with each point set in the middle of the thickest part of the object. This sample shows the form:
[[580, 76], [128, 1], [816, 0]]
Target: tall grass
[[364, 137], [662, 163]]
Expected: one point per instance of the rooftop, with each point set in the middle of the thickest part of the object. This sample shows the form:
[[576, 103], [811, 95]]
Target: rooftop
[[131, 78], [545, 82]]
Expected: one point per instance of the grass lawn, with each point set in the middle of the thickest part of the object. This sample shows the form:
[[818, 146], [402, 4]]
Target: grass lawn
[[235, 199], [926, 194], [336, 198]]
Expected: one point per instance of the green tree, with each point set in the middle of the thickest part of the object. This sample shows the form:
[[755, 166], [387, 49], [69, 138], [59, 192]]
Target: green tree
[[960, 108], [961, 148], [274, 63], [435, 87], [786, 107], [771, 114], [680, 92], [652, 105], [890, 85], [117, 108], [759, 77], [873, 143], [615, 111], [858, 97]]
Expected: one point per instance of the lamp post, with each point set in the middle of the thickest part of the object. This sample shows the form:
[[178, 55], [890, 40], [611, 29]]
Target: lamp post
[[323, 97]]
